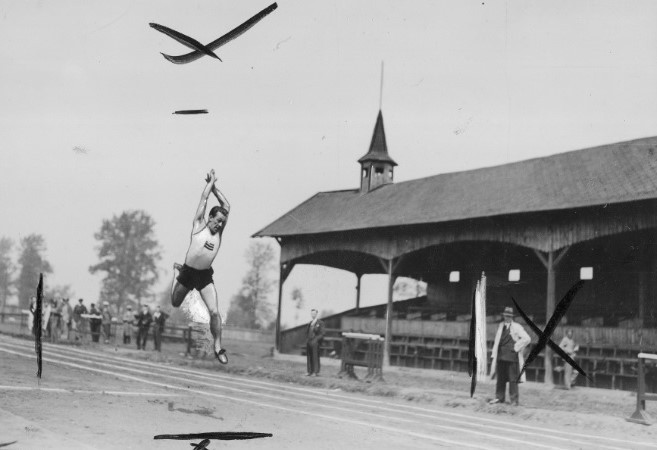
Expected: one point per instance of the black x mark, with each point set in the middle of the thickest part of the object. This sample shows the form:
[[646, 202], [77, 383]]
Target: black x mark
[[545, 335], [184, 40], [203, 445], [200, 49]]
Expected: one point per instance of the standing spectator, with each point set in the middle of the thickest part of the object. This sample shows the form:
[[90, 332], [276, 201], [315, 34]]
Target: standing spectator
[[159, 318], [510, 340], [56, 320], [30, 319], [568, 345], [94, 322], [314, 336], [144, 320], [67, 319], [128, 319], [79, 322], [106, 321], [46, 323]]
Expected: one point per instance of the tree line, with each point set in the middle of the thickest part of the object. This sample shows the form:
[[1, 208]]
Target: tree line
[[128, 256]]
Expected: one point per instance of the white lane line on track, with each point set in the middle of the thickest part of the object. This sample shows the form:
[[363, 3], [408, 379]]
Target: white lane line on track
[[278, 387], [267, 405], [532, 434], [80, 391], [315, 404], [343, 399]]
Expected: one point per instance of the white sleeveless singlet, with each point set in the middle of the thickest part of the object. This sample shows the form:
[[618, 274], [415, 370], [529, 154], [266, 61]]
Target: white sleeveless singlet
[[202, 249]]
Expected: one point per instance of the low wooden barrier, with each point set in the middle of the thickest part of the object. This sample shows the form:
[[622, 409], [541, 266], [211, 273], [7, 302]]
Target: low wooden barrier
[[640, 415], [364, 350]]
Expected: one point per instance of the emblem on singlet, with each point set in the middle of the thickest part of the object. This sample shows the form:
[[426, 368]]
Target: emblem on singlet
[[208, 245]]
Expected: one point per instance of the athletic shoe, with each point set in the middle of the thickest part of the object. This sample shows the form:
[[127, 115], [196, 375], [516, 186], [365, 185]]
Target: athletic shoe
[[495, 401], [221, 356]]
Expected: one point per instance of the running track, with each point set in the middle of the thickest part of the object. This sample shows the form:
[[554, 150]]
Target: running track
[[303, 417]]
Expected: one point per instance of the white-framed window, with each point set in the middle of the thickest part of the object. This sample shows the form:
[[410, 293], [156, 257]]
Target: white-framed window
[[586, 273]]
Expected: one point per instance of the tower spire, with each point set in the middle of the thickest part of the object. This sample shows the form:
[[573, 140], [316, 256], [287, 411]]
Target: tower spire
[[377, 166]]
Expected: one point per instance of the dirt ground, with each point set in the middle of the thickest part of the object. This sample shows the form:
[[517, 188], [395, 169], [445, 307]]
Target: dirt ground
[[414, 385], [588, 406], [581, 410]]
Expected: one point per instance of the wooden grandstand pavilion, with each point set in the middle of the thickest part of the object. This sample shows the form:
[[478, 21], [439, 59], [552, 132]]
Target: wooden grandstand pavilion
[[556, 218]]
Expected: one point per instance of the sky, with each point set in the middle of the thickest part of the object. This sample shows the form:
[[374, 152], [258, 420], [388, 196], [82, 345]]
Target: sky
[[467, 84]]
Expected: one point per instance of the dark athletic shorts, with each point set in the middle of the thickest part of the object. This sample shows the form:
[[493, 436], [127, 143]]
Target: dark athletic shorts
[[193, 278]]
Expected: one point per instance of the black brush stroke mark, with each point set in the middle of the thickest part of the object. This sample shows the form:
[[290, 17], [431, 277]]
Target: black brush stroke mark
[[203, 445], [7, 443], [36, 326], [191, 111], [558, 350], [558, 314], [184, 40], [234, 33], [222, 436], [472, 359]]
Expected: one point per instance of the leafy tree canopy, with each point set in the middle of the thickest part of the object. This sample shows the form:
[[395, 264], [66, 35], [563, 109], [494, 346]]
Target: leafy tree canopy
[[128, 254]]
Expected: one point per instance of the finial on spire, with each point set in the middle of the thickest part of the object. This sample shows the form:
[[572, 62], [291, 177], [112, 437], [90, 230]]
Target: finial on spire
[[381, 91]]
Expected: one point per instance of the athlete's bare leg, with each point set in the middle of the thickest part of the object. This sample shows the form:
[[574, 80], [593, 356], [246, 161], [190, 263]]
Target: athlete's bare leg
[[209, 296], [178, 291]]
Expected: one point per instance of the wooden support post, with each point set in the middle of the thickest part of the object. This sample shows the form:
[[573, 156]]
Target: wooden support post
[[388, 336], [549, 310], [278, 310], [640, 415], [550, 263], [643, 285], [285, 269], [358, 277], [188, 339]]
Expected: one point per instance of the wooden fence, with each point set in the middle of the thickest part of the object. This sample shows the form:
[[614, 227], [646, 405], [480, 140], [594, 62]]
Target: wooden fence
[[16, 323], [646, 337]]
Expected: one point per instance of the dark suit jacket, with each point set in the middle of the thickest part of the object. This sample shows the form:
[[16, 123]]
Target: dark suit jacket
[[144, 320], [315, 333], [160, 321]]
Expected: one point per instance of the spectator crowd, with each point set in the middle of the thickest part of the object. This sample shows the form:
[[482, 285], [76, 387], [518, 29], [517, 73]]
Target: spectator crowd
[[62, 322]]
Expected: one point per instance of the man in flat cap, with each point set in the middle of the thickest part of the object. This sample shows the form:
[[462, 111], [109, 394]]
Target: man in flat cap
[[510, 340]]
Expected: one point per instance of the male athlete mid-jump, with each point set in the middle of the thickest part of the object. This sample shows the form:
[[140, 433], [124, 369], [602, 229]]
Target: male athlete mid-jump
[[197, 271]]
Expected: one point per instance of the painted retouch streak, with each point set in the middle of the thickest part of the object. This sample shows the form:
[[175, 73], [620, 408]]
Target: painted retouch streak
[[37, 327], [234, 33], [222, 436], [472, 359], [544, 337], [191, 111]]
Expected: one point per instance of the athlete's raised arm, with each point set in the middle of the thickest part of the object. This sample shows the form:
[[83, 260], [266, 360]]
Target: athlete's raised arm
[[200, 211], [220, 197]]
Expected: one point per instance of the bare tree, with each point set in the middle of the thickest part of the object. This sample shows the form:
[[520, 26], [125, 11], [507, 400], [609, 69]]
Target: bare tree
[[405, 288], [250, 307], [59, 291], [32, 263], [7, 269], [297, 299]]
